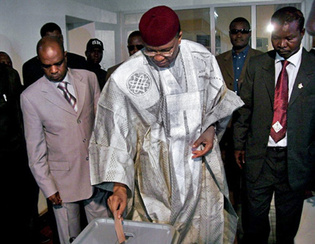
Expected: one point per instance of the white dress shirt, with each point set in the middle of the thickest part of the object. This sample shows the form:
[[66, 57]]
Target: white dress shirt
[[292, 69]]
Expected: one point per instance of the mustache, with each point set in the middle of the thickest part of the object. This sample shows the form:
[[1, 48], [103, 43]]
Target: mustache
[[239, 39]]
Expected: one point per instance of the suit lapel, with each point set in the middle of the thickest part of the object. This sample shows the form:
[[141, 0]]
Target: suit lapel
[[249, 55], [229, 64], [51, 93], [303, 77], [268, 74]]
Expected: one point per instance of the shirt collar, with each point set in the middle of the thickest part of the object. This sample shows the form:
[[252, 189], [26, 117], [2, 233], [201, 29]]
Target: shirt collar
[[66, 79], [244, 52], [294, 59]]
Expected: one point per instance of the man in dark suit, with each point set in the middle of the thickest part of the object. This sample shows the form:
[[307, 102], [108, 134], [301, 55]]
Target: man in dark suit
[[277, 154], [19, 203], [233, 66], [32, 69]]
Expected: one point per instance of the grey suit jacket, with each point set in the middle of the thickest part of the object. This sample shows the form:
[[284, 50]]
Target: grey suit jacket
[[225, 61], [252, 128], [57, 137]]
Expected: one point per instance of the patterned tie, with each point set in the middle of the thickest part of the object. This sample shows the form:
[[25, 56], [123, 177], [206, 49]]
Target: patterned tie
[[279, 122], [69, 97]]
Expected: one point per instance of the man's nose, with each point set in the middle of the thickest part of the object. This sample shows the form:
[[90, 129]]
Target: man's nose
[[158, 57], [53, 69], [283, 43]]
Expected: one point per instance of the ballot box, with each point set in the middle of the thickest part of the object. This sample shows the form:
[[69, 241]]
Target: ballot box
[[102, 231]]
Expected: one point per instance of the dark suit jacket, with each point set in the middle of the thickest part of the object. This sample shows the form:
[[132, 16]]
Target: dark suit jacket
[[100, 73], [225, 61], [252, 128], [11, 124], [32, 69]]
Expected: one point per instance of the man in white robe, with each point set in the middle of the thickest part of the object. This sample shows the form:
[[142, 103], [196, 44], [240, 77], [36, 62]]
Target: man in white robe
[[157, 127]]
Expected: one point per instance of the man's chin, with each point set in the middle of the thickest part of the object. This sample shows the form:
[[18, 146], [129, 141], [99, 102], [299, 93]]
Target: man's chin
[[54, 79]]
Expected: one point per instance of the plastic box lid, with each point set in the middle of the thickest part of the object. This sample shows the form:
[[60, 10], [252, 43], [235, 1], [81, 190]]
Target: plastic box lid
[[102, 231]]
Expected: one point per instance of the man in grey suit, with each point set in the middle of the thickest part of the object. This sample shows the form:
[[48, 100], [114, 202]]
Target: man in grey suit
[[57, 133], [277, 154]]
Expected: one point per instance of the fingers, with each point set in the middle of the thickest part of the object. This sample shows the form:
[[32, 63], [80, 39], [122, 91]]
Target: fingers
[[198, 142], [240, 158], [239, 164], [199, 153], [205, 141], [122, 207], [55, 199], [118, 201], [116, 205]]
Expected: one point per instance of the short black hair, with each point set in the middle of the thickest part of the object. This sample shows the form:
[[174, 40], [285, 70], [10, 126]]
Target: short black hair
[[288, 14], [49, 27], [133, 34], [238, 20]]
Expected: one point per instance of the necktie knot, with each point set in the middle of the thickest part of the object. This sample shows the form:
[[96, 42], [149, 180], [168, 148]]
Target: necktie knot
[[63, 86], [285, 63]]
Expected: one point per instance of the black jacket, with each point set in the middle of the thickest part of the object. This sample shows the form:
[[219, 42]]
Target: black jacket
[[252, 127], [11, 124]]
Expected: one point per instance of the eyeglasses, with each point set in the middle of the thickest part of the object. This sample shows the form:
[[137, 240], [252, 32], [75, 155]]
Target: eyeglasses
[[47, 66], [133, 47], [164, 53], [243, 31]]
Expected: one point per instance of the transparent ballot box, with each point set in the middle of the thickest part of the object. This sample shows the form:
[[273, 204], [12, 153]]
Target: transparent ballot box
[[102, 231]]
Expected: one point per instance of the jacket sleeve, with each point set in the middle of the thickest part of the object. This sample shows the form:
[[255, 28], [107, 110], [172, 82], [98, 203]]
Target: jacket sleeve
[[37, 148], [243, 115]]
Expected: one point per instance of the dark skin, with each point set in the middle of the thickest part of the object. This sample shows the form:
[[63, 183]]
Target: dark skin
[[94, 55], [5, 59], [136, 40], [239, 40], [54, 61], [286, 40], [173, 46]]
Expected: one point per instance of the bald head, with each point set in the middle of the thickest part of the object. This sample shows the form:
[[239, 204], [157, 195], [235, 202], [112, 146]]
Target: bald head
[[49, 43], [53, 58]]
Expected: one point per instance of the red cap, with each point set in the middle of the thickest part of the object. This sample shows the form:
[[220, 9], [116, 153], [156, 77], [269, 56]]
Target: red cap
[[158, 26]]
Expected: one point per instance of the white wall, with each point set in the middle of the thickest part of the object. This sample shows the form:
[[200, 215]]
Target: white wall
[[78, 38], [20, 23]]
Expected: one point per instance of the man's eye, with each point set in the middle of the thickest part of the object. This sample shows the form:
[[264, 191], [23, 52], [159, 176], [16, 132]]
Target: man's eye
[[46, 66]]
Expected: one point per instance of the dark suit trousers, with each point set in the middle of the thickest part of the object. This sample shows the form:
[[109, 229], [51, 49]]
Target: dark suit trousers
[[288, 203]]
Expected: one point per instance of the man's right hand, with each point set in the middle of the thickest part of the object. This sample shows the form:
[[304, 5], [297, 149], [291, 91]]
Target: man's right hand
[[239, 157], [117, 202], [55, 199]]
